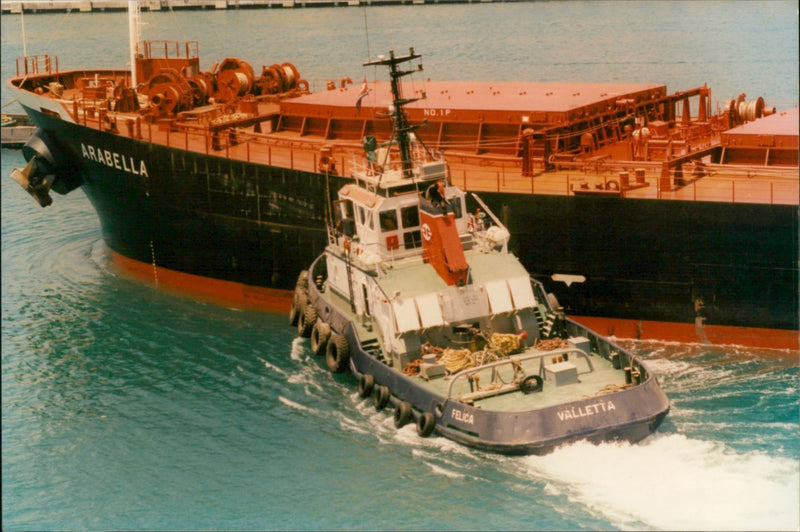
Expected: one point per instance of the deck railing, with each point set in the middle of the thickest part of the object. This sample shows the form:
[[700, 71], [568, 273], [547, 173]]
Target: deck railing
[[719, 183], [37, 64]]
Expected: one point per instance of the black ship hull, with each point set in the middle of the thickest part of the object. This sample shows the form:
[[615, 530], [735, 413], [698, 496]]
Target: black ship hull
[[242, 231], [672, 261]]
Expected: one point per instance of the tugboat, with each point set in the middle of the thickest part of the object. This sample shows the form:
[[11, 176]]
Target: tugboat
[[420, 299]]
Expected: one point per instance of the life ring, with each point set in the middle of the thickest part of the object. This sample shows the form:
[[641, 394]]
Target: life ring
[[320, 334], [365, 385], [337, 353], [402, 414], [302, 85], [306, 320], [612, 185], [425, 424], [381, 397], [531, 384]]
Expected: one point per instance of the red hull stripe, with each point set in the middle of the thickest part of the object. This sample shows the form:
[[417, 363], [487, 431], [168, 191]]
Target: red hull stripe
[[228, 293], [225, 293], [689, 333]]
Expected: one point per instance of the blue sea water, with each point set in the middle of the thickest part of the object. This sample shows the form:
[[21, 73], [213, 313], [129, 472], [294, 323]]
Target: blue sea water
[[128, 408]]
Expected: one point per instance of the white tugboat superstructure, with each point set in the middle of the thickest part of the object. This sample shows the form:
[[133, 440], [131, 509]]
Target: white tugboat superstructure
[[422, 301]]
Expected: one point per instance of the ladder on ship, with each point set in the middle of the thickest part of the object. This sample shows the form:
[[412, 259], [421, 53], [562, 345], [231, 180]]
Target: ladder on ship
[[546, 321], [373, 347]]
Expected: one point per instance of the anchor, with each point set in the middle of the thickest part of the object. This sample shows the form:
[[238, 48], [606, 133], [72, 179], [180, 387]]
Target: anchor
[[35, 180]]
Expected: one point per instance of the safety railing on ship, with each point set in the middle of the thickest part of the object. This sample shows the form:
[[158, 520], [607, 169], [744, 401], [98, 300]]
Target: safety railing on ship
[[37, 64], [726, 183]]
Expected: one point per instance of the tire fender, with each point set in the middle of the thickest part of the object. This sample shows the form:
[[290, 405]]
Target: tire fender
[[366, 383], [403, 414], [425, 424], [337, 353], [320, 334], [381, 397]]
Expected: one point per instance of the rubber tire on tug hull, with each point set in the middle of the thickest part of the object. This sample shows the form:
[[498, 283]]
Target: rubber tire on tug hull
[[306, 320], [366, 383], [298, 302], [302, 280], [425, 424], [381, 397], [320, 334], [402, 414], [299, 299], [337, 353]]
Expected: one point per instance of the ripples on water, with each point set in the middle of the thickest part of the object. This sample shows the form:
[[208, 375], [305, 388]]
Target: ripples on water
[[127, 408]]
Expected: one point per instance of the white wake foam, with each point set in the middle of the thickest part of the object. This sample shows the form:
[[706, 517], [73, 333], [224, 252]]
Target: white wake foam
[[298, 345], [674, 483], [295, 405]]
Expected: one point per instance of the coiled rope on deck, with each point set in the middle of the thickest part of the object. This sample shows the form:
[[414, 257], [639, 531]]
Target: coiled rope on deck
[[507, 343], [456, 360], [498, 347], [551, 344]]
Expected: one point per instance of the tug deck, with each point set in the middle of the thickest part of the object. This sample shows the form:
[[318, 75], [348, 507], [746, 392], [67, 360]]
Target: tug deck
[[590, 382], [595, 374]]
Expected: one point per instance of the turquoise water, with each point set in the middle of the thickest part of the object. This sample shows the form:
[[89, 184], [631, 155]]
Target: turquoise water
[[127, 408]]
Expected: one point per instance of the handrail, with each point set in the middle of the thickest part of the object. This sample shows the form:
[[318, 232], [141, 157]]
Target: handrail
[[516, 359], [778, 182], [733, 183], [31, 64]]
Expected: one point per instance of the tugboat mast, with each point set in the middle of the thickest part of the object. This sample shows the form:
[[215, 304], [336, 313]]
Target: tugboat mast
[[401, 124]]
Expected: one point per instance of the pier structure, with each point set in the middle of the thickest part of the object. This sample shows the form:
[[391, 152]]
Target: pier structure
[[90, 6]]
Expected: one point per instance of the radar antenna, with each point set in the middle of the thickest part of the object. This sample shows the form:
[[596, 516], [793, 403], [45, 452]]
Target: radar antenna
[[401, 125]]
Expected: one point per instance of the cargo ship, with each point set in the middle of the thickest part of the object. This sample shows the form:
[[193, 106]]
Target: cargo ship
[[647, 214], [453, 333]]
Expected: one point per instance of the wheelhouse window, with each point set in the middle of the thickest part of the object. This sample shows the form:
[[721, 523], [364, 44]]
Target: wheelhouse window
[[388, 220], [343, 209], [412, 239], [410, 216], [345, 223], [365, 217], [455, 204]]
